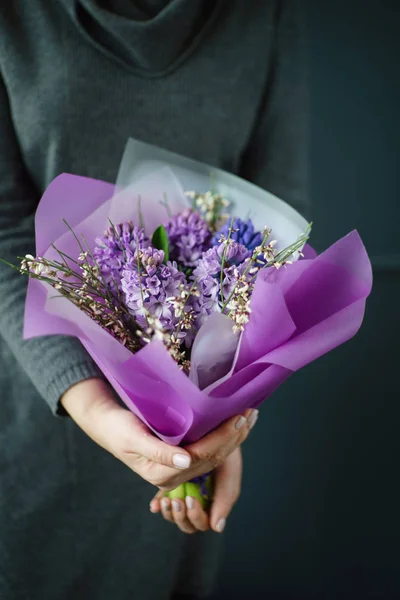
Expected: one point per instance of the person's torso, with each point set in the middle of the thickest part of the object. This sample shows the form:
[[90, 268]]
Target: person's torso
[[74, 106]]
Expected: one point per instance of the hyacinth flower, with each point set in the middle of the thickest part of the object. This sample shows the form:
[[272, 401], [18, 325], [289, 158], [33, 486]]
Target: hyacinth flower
[[118, 244], [189, 236], [242, 232]]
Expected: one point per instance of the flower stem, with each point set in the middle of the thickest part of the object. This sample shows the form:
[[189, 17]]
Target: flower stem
[[200, 487], [223, 261]]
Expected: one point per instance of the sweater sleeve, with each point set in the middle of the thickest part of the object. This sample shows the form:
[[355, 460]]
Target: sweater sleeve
[[276, 157], [53, 363]]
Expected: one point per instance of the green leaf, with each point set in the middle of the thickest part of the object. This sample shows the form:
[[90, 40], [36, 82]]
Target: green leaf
[[160, 241]]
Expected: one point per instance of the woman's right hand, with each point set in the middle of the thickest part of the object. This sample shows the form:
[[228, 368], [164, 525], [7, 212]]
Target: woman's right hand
[[91, 404]]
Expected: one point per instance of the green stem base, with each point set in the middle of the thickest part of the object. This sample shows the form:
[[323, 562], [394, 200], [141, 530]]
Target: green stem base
[[195, 490]]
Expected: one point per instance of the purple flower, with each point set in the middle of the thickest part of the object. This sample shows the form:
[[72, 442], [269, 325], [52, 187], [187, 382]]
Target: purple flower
[[208, 274], [189, 236], [152, 287], [243, 233], [209, 264], [160, 309], [232, 253], [117, 247], [151, 260], [135, 293]]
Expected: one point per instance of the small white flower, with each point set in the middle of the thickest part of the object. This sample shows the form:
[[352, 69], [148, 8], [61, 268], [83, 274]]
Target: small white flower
[[38, 268], [158, 335]]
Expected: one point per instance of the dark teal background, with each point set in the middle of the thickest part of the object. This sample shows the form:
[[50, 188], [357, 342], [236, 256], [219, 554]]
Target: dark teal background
[[319, 513]]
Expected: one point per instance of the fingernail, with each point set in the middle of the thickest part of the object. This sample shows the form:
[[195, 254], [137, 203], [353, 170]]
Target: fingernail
[[189, 502], [152, 507], [252, 420], [176, 505], [165, 504], [181, 461], [240, 422], [220, 525]]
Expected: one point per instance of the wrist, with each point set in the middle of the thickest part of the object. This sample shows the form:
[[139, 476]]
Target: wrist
[[80, 398]]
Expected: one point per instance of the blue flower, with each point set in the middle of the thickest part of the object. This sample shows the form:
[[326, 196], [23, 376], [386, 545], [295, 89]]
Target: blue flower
[[242, 232]]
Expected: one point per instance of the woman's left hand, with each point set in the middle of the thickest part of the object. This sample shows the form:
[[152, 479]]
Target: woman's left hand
[[188, 514]]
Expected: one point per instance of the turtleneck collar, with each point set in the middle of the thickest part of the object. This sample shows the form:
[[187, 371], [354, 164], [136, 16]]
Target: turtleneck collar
[[150, 37], [139, 10]]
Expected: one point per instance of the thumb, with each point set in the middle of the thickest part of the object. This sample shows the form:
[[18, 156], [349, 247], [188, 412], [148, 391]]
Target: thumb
[[150, 447], [227, 482]]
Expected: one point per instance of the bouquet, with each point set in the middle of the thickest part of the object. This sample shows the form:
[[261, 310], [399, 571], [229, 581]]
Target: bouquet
[[193, 290]]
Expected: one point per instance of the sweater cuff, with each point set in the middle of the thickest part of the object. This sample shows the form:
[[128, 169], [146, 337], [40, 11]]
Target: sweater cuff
[[59, 385]]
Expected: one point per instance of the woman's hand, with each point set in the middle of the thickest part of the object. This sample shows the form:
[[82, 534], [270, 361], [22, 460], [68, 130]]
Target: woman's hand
[[189, 516], [92, 406]]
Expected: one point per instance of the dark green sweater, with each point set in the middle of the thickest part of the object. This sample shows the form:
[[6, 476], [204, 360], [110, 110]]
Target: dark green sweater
[[221, 82]]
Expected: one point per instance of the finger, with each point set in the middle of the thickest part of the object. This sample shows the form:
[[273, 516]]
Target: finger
[[166, 510], [252, 419], [227, 482], [180, 518], [155, 504], [147, 445], [213, 448], [136, 446], [196, 515]]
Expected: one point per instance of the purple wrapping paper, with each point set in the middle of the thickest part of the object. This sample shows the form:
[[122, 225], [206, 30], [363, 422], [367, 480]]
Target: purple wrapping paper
[[298, 314]]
